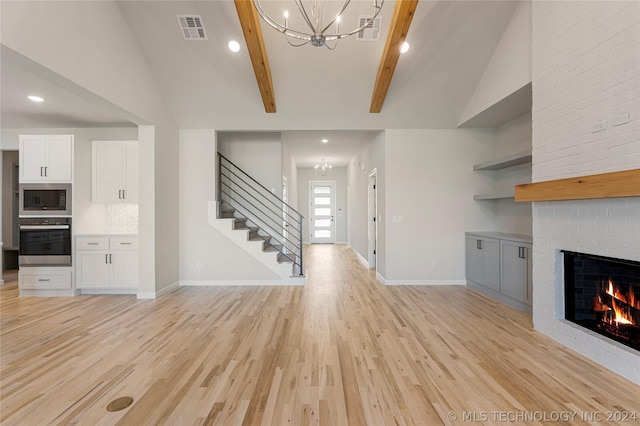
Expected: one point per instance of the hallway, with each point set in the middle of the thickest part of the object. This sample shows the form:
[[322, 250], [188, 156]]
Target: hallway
[[343, 349]]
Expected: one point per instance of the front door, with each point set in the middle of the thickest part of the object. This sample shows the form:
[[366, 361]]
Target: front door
[[322, 196]]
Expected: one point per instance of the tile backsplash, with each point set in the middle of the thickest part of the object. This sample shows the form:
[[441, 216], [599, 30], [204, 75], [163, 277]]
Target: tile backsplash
[[122, 218]]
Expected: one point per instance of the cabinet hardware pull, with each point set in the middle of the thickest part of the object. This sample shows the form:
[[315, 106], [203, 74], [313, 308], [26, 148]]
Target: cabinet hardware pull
[[44, 279], [110, 258], [124, 195], [92, 244], [119, 194], [125, 244], [41, 171], [106, 258], [479, 244], [45, 171]]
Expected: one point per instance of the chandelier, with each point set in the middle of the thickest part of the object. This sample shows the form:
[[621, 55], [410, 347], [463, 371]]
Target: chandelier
[[322, 168], [318, 30]]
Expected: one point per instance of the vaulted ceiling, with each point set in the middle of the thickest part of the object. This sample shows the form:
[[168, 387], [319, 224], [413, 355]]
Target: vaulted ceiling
[[207, 86]]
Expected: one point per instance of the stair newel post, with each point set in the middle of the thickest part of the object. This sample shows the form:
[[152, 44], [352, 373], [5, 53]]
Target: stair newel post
[[219, 182], [300, 236]]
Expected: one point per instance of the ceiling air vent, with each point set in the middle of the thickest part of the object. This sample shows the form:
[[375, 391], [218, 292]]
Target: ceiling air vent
[[372, 32], [192, 28]]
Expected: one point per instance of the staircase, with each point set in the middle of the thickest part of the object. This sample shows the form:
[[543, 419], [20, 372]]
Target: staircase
[[261, 222]]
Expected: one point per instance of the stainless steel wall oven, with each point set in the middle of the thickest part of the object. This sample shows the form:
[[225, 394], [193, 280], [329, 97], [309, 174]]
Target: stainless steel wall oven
[[45, 241]]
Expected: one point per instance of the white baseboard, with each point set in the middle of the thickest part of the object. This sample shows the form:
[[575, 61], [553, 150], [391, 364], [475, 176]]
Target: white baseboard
[[150, 295], [168, 289], [216, 283], [161, 292], [360, 258], [380, 278], [106, 291], [425, 282]]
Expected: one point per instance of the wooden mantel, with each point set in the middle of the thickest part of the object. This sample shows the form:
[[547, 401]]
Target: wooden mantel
[[607, 185]]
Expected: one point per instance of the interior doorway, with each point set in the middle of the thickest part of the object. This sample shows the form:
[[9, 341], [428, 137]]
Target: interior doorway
[[372, 218], [322, 210]]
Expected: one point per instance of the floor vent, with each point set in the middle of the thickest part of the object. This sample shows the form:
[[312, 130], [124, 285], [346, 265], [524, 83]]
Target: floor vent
[[192, 27], [372, 32]]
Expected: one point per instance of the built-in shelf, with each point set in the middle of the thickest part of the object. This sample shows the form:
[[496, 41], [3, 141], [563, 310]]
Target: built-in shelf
[[504, 162], [494, 196]]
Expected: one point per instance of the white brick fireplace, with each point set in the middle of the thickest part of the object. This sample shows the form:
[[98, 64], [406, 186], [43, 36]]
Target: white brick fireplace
[[586, 76]]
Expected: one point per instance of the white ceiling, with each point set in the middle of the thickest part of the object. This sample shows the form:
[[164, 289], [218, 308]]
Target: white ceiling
[[317, 90]]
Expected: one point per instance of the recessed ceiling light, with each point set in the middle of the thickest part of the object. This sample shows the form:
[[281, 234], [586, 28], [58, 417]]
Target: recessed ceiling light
[[35, 98], [405, 47], [234, 46], [325, 140]]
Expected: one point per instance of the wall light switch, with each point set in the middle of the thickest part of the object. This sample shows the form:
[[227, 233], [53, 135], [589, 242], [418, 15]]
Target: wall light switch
[[398, 218], [620, 119], [599, 126]]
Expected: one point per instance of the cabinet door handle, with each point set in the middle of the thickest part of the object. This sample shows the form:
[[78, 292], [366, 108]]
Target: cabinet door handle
[[45, 171], [124, 194], [522, 254], [92, 244], [44, 279], [106, 258], [110, 258], [479, 244], [125, 244], [41, 171], [119, 194]]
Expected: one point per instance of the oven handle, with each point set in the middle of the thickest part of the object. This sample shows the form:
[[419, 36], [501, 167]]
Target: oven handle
[[43, 227]]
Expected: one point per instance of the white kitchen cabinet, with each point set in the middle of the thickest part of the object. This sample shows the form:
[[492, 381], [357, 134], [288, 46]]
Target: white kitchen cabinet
[[115, 172], [107, 262], [498, 264], [45, 281], [46, 158]]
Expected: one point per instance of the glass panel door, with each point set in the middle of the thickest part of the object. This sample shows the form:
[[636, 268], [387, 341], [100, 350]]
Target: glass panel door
[[322, 214]]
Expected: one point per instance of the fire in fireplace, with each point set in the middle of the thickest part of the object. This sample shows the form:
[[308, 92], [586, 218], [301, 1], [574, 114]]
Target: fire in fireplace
[[603, 295]]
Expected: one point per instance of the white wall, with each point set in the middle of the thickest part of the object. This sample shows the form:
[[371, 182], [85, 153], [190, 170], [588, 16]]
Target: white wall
[[9, 158], [290, 172], [429, 185], [103, 61], [206, 255], [259, 154], [337, 174], [358, 198], [511, 138], [509, 68], [585, 69]]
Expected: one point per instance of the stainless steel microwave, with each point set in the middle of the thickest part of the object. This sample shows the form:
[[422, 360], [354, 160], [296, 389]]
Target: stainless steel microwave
[[45, 199]]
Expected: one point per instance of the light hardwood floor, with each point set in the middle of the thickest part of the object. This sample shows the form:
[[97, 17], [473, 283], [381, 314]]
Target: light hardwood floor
[[342, 350]]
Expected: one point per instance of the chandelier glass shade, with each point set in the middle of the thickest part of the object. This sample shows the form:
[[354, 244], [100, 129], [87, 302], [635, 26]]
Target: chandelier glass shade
[[322, 168], [321, 21]]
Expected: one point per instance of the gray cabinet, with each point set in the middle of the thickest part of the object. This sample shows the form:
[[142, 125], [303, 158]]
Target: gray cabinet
[[515, 270], [499, 265], [483, 262]]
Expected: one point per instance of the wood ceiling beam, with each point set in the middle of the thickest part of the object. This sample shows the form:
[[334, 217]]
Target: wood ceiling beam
[[250, 22], [398, 30]]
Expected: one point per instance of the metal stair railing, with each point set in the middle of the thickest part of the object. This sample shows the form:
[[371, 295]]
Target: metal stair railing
[[281, 223]]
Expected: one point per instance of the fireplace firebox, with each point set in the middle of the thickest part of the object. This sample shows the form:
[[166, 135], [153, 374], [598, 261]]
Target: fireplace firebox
[[603, 295]]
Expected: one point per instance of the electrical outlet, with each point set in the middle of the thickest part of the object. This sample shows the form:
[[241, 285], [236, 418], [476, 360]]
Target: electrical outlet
[[599, 126]]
